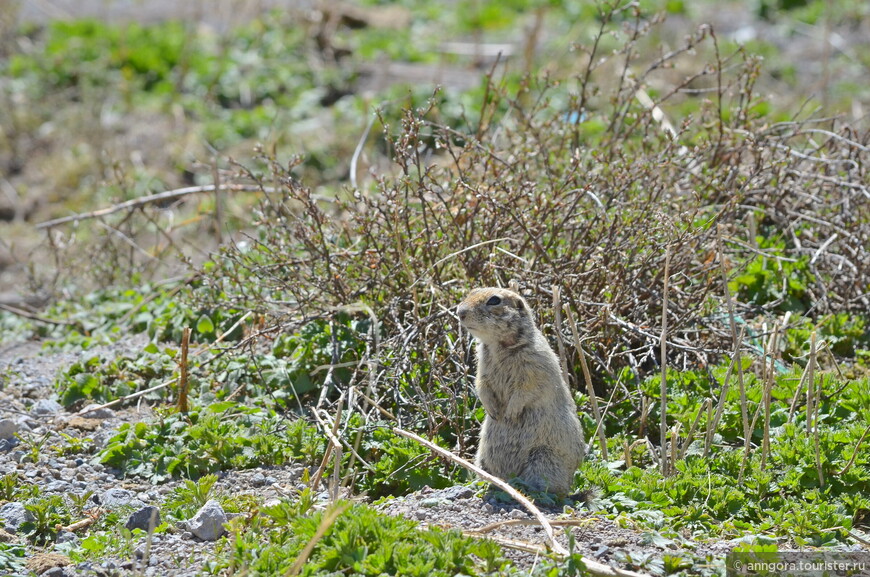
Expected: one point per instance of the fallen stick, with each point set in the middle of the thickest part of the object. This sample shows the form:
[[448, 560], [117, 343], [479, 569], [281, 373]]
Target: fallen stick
[[593, 567], [160, 196], [548, 529]]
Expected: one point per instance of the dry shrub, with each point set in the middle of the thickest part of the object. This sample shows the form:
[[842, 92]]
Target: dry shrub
[[528, 193], [584, 189]]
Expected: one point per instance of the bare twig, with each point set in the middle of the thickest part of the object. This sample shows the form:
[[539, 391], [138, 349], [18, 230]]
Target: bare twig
[[35, 317], [663, 423], [548, 529], [182, 376], [590, 390], [855, 453], [152, 198]]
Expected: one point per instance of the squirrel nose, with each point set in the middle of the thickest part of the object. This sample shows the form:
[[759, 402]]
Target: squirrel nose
[[462, 312]]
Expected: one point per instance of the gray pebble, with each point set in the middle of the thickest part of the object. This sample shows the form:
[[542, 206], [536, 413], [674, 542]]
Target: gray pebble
[[55, 572], [67, 537], [517, 514], [114, 498], [57, 487], [430, 502], [14, 515], [208, 523], [8, 428], [141, 518], [457, 492], [45, 407], [104, 413], [258, 479]]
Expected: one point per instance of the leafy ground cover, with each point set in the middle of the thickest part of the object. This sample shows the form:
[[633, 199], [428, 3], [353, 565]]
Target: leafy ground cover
[[696, 252]]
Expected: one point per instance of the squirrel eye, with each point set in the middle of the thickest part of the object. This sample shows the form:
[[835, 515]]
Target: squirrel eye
[[493, 301]]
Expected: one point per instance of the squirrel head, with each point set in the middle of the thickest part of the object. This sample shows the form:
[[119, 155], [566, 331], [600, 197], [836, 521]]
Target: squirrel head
[[497, 316]]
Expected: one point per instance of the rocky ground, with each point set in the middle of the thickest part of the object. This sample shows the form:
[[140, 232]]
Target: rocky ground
[[28, 408]]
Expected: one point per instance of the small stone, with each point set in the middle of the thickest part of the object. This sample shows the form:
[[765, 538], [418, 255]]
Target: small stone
[[8, 428], [430, 502], [57, 487], [14, 515], [258, 479], [55, 572], [488, 508], [91, 412], [114, 498], [45, 407], [208, 523], [421, 515], [187, 535], [271, 481], [457, 492], [67, 537], [141, 519], [517, 514]]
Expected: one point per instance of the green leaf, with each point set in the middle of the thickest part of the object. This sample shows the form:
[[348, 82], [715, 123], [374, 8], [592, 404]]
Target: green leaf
[[204, 325]]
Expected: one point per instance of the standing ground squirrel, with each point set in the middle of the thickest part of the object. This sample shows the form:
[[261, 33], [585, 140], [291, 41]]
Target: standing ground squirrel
[[531, 430]]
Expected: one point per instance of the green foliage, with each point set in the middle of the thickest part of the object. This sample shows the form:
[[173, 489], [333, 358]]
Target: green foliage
[[806, 490], [48, 513], [12, 558], [13, 488], [776, 281], [218, 437], [186, 499], [401, 466], [360, 541], [103, 379]]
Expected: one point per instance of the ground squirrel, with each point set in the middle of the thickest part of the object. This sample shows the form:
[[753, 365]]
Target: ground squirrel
[[531, 429]]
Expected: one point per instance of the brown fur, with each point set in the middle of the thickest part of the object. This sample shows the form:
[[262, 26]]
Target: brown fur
[[531, 429]]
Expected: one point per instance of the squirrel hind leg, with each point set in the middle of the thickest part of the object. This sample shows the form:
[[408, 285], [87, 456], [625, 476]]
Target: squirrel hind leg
[[544, 471]]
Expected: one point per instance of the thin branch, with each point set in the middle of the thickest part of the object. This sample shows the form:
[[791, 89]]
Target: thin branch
[[152, 198], [548, 529]]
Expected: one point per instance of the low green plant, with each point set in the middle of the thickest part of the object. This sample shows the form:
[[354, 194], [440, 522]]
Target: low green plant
[[33, 444], [48, 513], [775, 281], [14, 488], [115, 542], [12, 558], [217, 437], [104, 379], [399, 465], [78, 502], [73, 445], [188, 498], [360, 541]]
